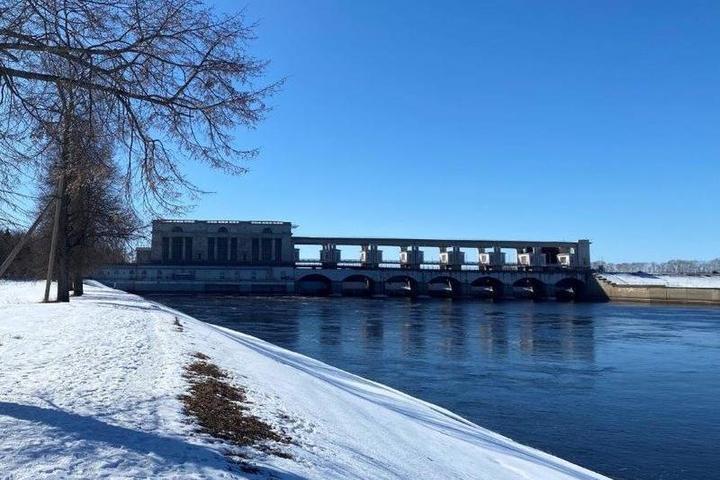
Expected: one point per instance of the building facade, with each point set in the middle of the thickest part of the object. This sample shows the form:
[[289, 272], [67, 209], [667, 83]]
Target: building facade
[[261, 257], [219, 242]]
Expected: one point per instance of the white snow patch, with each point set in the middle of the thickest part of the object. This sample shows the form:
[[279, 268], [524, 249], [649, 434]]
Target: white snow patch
[[671, 281], [89, 390]]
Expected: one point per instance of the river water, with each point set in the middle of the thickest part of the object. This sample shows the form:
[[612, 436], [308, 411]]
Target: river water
[[631, 391]]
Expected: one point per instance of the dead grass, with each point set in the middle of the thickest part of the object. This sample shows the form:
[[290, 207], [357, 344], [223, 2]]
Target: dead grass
[[202, 368], [220, 409]]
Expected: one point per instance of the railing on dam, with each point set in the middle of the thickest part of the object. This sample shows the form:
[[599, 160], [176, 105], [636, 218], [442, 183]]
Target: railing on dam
[[315, 263], [426, 265]]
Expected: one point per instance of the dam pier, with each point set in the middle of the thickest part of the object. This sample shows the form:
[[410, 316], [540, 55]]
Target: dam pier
[[264, 257]]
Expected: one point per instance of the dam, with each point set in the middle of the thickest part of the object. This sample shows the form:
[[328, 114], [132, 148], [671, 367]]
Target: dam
[[264, 257]]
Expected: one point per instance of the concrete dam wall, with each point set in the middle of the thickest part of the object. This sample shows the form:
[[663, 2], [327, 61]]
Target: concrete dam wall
[[704, 290]]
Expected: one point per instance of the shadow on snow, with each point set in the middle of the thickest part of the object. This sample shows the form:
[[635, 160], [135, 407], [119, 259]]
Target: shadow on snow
[[170, 450]]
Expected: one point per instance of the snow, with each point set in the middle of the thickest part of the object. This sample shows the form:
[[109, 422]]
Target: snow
[[89, 390], [672, 281]]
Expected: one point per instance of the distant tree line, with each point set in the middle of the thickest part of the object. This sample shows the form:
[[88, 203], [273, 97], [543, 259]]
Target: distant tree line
[[31, 262], [671, 266]]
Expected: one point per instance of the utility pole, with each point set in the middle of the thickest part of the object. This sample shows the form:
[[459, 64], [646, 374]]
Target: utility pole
[[6, 264], [55, 233]]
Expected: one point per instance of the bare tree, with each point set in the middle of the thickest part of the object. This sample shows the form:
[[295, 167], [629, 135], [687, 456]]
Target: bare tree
[[169, 80], [99, 222]]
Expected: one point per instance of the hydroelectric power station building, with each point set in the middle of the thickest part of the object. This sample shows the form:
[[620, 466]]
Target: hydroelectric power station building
[[263, 257]]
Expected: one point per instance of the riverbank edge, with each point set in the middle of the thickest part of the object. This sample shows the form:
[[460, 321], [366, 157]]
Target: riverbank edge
[[464, 445]]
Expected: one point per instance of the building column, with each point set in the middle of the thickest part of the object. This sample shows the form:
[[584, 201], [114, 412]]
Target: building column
[[411, 257], [422, 288], [378, 287], [329, 256], [451, 258], [583, 254], [370, 256]]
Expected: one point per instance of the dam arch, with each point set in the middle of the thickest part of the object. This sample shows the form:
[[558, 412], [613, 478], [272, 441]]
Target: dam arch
[[401, 286], [570, 289], [531, 288], [487, 287], [313, 284], [358, 285], [444, 286]]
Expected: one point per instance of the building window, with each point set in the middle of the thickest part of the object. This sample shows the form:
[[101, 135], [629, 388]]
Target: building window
[[177, 248], [266, 249], [222, 230], [278, 250], [211, 249], [222, 247], [165, 249], [188, 248], [233, 250], [255, 249]]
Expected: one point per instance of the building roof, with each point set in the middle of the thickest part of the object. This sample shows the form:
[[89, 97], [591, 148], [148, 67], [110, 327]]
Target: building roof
[[252, 222]]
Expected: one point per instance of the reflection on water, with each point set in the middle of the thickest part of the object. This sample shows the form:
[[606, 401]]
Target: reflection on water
[[632, 391]]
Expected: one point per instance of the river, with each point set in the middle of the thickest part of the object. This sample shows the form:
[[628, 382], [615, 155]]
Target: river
[[629, 390]]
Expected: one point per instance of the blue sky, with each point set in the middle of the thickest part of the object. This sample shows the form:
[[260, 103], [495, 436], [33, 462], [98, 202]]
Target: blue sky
[[507, 119]]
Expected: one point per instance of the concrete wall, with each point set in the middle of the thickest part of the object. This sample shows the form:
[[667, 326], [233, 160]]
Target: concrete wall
[[269, 279], [603, 290], [196, 279], [283, 280]]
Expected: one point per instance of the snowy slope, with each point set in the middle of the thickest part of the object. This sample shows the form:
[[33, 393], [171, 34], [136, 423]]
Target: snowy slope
[[89, 390], [672, 281]]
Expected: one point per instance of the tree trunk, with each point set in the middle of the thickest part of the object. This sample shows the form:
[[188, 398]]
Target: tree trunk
[[78, 289], [63, 242], [63, 254]]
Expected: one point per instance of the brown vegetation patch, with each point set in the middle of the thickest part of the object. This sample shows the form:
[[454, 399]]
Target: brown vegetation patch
[[202, 368], [220, 409], [201, 356]]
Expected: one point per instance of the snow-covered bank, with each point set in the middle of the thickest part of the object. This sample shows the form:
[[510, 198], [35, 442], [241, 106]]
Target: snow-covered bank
[[90, 390], [662, 280]]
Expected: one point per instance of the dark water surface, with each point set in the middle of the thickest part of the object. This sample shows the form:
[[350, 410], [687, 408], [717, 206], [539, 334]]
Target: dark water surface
[[631, 391]]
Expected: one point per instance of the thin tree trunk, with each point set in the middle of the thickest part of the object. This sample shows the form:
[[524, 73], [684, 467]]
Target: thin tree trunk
[[78, 289]]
